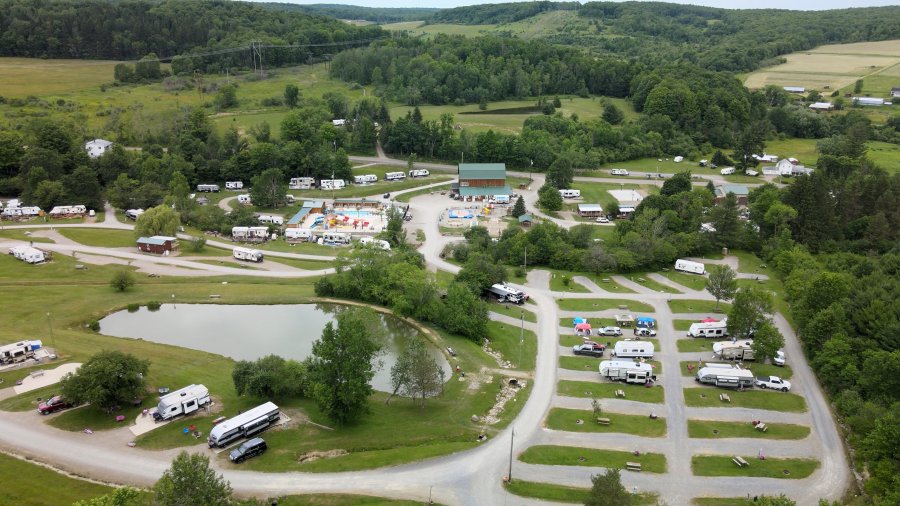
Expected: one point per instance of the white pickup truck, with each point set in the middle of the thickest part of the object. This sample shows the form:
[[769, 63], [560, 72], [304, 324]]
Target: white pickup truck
[[773, 382]]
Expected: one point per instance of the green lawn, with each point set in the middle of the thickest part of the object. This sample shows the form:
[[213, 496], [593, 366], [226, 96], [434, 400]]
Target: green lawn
[[641, 278], [309, 265], [99, 237], [424, 191], [609, 284], [506, 340], [697, 306], [567, 420], [513, 311], [682, 325], [30, 486], [20, 235], [603, 304], [716, 465], [562, 493], [705, 397], [374, 189], [700, 344], [885, 155], [722, 501], [579, 363], [692, 281], [714, 429], [572, 456], [561, 281], [341, 500]]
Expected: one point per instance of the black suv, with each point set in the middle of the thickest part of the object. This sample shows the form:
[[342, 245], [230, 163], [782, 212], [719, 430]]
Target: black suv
[[248, 449]]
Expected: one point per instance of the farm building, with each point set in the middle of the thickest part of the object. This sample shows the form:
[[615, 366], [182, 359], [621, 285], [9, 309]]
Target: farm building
[[822, 106], [868, 101], [159, 244], [590, 210], [795, 89], [740, 191], [97, 147], [526, 220], [481, 180]]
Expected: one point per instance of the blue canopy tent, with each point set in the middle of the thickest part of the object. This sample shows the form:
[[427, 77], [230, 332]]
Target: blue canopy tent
[[577, 320], [646, 321]]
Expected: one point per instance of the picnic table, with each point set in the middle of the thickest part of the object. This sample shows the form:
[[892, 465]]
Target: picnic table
[[633, 466], [740, 461], [761, 426], [724, 398], [603, 421], [620, 393]]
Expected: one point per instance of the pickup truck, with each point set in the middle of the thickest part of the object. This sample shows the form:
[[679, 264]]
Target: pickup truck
[[589, 348], [773, 382]]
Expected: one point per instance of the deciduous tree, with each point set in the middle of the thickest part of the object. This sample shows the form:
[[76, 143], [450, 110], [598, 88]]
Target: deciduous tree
[[269, 189], [607, 490], [291, 95], [159, 220], [191, 481], [750, 309], [122, 280], [721, 283], [108, 379], [416, 373], [767, 340], [549, 198]]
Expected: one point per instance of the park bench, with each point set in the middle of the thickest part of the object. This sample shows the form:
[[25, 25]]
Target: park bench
[[620, 393], [761, 426], [214, 296], [740, 462], [633, 466], [603, 421], [605, 280], [35, 374], [724, 398]]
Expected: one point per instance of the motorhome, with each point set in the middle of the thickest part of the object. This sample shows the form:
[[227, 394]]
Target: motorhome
[[633, 349], [627, 371], [332, 184], [505, 293], [365, 179], [570, 194], [245, 199], [689, 266], [247, 254], [209, 188], [419, 173], [335, 238], [18, 352], [244, 425], [234, 185], [709, 329], [738, 350], [132, 214], [28, 254], [272, 219], [725, 377], [301, 183], [181, 402], [394, 176], [381, 243], [297, 234]]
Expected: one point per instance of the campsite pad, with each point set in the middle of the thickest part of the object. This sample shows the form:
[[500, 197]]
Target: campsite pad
[[281, 421], [50, 377], [144, 423]]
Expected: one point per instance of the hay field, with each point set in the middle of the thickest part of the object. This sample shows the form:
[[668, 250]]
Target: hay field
[[834, 67], [22, 77]]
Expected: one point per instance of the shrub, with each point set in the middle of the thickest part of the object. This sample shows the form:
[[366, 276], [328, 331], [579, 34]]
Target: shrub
[[133, 307], [153, 305], [94, 325]]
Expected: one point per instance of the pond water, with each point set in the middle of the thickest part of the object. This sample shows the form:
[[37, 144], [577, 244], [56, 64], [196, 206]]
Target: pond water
[[254, 331]]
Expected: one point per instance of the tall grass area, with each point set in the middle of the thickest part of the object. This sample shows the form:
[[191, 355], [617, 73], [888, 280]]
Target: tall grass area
[[27, 484]]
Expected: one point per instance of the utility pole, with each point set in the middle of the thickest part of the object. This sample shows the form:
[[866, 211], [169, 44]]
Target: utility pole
[[521, 335], [512, 437]]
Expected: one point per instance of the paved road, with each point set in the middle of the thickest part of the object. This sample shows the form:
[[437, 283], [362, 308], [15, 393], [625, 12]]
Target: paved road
[[474, 477]]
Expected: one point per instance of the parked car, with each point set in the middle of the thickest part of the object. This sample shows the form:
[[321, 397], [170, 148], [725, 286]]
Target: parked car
[[779, 358], [248, 449], [53, 404], [773, 382], [645, 332], [590, 349], [602, 219], [609, 331]]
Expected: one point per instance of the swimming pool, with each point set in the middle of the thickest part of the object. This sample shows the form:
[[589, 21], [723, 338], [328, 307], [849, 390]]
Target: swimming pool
[[353, 213]]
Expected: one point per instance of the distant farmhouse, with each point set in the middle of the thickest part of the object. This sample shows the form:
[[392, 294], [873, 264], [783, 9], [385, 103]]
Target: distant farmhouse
[[97, 147], [740, 192]]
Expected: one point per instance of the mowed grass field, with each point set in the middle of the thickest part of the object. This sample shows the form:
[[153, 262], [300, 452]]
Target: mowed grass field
[[23, 77]]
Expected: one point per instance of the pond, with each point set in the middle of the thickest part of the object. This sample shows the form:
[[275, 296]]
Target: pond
[[249, 332]]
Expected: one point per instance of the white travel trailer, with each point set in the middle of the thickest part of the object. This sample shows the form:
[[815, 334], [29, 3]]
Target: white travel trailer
[[234, 185], [627, 371], [419, 173], [297, 234], [245, 199], [709, 329], [332, 184], [132, 214], [247, 254], [570, 194], [335, 238], [688, 266], [381, 243], [269, 218], [725, 377], [249, 233], [243, 425], [505, 293], [301, 183], [28, 254], [68, 210], [21, 212], [727, 171], [181, 402], [209, 188], [633, 349], [738, 350], [394, 176], [365, 179], [18, 352]]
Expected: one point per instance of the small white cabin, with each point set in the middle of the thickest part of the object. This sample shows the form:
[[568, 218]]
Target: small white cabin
[[97, 147]]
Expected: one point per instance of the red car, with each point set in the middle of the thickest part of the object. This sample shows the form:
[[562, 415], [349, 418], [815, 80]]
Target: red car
[[52, 405]]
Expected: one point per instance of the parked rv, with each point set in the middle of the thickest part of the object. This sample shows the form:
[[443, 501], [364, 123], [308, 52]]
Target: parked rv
[[247, 255], [254, 234], [725, 377], [394, 176], [738, 350], [709, 329], [234, 185], [381, 243], [627, 371], [132, 214], [619, 172], [297, 234], [727, 171], [332, 184], [570, 194], [419, 173], [335, 238], [269, 218], [76, 210], [244, 425], [689, 266], [181, 402], [505, 293], [248, 449], [245, 199], [28, 254], [18, 352], [633, 349], [209, 188], [301, 183], [365, 179]]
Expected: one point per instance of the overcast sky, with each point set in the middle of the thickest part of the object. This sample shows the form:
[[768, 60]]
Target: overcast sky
[[729, 4]]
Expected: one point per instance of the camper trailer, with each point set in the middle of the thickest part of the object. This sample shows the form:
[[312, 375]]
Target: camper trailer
[[633, 349], [271, 219], [234, 185], [297, 234], [394, 176], [505, 293], [301, 183], [730, 377], [727, 171], [243, 425], [738, 350], [709, 329], [21, 212], [365, 179], [60, 211], [181, 402], [245, 199], [627, 371], [332, 184], [208, 188], [255, 234], [570, 194], [28, 254], [688, 266], [247, 255], [132, 214], [381, 243], [18, 352], [335, 238], [419, 173]]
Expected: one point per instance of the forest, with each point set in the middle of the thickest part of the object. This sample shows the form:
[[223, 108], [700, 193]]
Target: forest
[[356, 12]]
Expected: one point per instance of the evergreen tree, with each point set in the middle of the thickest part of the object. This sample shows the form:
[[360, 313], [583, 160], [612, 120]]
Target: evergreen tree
[[519, 207]]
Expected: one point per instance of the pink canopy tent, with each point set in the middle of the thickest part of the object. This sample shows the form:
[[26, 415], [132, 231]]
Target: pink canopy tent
[[708, 320], [584, 327]]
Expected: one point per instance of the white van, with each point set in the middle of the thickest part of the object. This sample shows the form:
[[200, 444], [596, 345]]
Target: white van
[[570, 194], [727, 171], [619, 172]]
